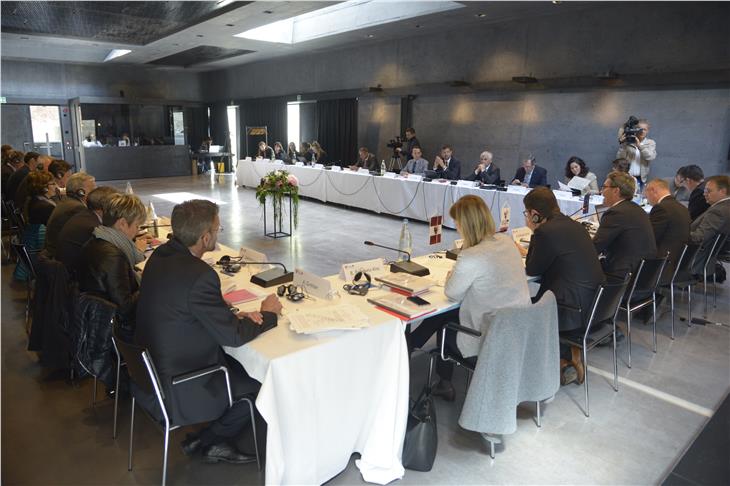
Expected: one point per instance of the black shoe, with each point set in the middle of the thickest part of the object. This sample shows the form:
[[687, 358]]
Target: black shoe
[[445, 390], [191, 444], [608, 340], [224, 452]]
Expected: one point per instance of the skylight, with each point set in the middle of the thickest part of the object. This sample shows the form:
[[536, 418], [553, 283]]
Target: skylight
[[343, 17], [115, 53]]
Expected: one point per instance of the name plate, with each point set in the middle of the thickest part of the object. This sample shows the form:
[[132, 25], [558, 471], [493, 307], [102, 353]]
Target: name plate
[[363, 170], [462, 183], [389, 175], [318, 166], [249, 255], [415, 177], [312, 284], [336, 168], [459, 243], [372, 267], [299, 164]]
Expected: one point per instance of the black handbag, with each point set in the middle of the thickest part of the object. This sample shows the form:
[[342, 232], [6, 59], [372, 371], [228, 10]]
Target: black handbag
[[421, 442]]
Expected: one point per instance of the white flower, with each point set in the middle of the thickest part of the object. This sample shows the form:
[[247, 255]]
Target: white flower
[[277, 173]]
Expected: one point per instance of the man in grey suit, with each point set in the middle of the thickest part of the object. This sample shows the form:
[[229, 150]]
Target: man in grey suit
[[713, 221], [417, 165]]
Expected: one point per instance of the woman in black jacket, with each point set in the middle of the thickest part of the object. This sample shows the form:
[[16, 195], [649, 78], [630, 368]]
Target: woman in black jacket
[[36, 211], [106, 267]]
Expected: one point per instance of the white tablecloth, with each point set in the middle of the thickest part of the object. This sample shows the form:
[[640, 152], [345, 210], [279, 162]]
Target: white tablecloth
[[400, 197]]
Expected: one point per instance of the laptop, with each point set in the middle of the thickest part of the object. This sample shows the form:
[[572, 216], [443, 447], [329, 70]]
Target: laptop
[[214, 149]]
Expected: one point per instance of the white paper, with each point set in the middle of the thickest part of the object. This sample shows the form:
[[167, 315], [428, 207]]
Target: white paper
[[504, 216], [312, 284], [522, 236], [250, 255], [336, 168], [462, 183], [564, 187], [389, 175], [337, 317], [299, 164], [578, 183], [363, 170], [415, 177], [372, 267], [318, 166]]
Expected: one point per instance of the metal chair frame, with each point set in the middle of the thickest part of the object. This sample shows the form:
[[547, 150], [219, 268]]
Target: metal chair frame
[[631, 308], [160, 396], [717, 245], [24, 255], [684, 266]]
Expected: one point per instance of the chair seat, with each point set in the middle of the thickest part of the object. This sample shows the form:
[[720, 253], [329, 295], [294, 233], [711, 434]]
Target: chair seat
[[593, 338]]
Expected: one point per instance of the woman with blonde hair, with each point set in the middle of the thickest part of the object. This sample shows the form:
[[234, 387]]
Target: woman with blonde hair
[[319, 156], [487, 276]]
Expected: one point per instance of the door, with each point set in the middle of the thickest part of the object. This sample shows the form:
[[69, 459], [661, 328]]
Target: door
[[74, 106]]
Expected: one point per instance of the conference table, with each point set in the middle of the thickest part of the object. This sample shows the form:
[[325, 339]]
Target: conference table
[[399, 196]]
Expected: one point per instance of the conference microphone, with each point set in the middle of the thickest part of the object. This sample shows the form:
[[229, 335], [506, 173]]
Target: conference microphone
[[408, 266], [267, 278]]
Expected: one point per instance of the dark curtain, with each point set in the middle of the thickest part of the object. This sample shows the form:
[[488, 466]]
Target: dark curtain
[[196, 125], [219, 124], [337, 129], [266, 112]]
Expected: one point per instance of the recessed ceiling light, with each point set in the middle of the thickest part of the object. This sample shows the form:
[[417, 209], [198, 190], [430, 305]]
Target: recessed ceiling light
[[481, 15], [115, 53], [200, 35], [370, 36]]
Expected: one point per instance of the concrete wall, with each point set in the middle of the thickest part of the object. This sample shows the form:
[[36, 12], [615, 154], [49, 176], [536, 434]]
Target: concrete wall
[[661, 50], [45, 80]]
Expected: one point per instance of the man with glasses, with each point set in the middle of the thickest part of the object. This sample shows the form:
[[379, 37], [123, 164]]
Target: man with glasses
[[530, 175], [694, 181], [715, 220], [625, 235], [485, 171], [183, 320]]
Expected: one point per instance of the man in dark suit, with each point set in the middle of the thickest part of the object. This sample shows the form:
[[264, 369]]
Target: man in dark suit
[[530, 175], [712, 222], [694, 181], [183, 320], [485, 171], [78, 187], [625, 235], [562, 254], [80, 227], [446, 166], [17, 177], [670, 222], [365, 160]]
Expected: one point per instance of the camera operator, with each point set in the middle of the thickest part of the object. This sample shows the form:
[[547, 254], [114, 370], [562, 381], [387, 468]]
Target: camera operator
[[411, 143], [636, 148]]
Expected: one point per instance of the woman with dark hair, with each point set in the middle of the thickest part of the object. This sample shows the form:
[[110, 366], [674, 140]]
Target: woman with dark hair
[[575, 167], [292, 153], [319, 156], [264, 151], [279, 153], [36, 211]]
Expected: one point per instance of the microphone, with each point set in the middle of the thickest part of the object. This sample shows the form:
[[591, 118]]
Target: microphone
[[591, 214], [267, 278], [408, 266]]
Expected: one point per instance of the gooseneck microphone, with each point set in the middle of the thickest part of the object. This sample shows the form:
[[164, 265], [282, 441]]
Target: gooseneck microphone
[[408, 266], [267, 278]]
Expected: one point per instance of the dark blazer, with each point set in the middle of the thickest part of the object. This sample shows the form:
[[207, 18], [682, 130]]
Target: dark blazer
[[409, 146], [561, 252], [183, 320], [104, 271], [7, 171], [371, 163], [705, 228], [697, 203], [452, 172], [60, 216], [625, 237], [74, 235], [14, 181], [489, 176], [670, 222], [538, 178], [268, 153], [281, 156], [39, 210]]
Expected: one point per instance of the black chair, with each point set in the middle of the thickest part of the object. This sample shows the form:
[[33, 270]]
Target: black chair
[[683, 278], [143, 374], [709, 266], [643, 293], [24, 256], [603, 311]]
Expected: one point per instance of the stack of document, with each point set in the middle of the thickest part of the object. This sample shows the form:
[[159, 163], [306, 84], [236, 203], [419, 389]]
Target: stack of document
[[405, 283], [401, 307], [339, 317]]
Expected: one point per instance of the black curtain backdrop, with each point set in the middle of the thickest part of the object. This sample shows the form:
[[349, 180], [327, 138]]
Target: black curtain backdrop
[[265, 112], [196, 125], [337, 129], [218, 124]]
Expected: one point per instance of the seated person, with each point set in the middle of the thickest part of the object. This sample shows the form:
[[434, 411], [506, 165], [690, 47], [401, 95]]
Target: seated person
[[620, 165], [670, 222], [713, 221], [676, 186], [487, 275], [183, 320], [91, 141], [530, 174], [575, 167], [625, 235], [365, 160], [12, 162], [306, 152], [78, 187], [107, 263], [417, 165], [292, 153], [264, 151], [61, 171], [80, 227], [694, 181], [319, 156], [279, 153], [205, 145], [18, 184], [562, 254], [485, 171], [446, 166], [40, 186]]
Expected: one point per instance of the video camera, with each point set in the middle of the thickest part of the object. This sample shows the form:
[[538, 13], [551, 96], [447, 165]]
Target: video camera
[[395, 144], [631, 130]]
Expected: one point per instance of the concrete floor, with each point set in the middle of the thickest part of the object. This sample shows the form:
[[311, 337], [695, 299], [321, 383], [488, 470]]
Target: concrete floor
[[51, 435]]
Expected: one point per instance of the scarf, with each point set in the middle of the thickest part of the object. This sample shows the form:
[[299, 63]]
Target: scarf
[[125, 245]]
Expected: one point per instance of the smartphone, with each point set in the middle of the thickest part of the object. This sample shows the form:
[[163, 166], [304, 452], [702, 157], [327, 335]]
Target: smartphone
[[418, 300]]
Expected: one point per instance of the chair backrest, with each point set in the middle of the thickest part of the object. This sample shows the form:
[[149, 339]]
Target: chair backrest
[[607, 301], [648, 275], [686, 260], [22, 252], [139, 365], [717, 245]]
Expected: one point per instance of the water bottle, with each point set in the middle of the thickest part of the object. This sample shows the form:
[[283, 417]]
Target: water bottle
[[382, 167], [129, 190], [406, 241]]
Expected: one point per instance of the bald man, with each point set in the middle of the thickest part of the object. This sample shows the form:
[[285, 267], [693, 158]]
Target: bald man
[[670, 222]]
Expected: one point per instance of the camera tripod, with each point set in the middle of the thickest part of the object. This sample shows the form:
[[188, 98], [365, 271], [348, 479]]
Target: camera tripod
[[394, 163]]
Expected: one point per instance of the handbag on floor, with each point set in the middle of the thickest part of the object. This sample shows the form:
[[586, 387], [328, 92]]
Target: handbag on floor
[[421, 442]]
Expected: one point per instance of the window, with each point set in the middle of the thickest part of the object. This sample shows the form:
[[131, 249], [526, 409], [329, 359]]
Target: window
[[233, 131], [45, 120], [292, 123]]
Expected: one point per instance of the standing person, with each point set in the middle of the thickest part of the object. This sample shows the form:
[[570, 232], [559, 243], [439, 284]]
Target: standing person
[[575, 167], [694, 181], [562, 254], [625, 235], [530, 174], [487, 276], [411, 143], [638, 149], [670, 222], [485, 171], [184, 322], [446, 166]]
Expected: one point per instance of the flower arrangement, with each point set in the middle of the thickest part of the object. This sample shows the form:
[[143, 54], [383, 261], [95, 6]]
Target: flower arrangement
[[277, 184]]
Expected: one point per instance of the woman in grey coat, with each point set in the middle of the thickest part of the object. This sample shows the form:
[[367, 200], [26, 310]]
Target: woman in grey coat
[[487, 276]]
